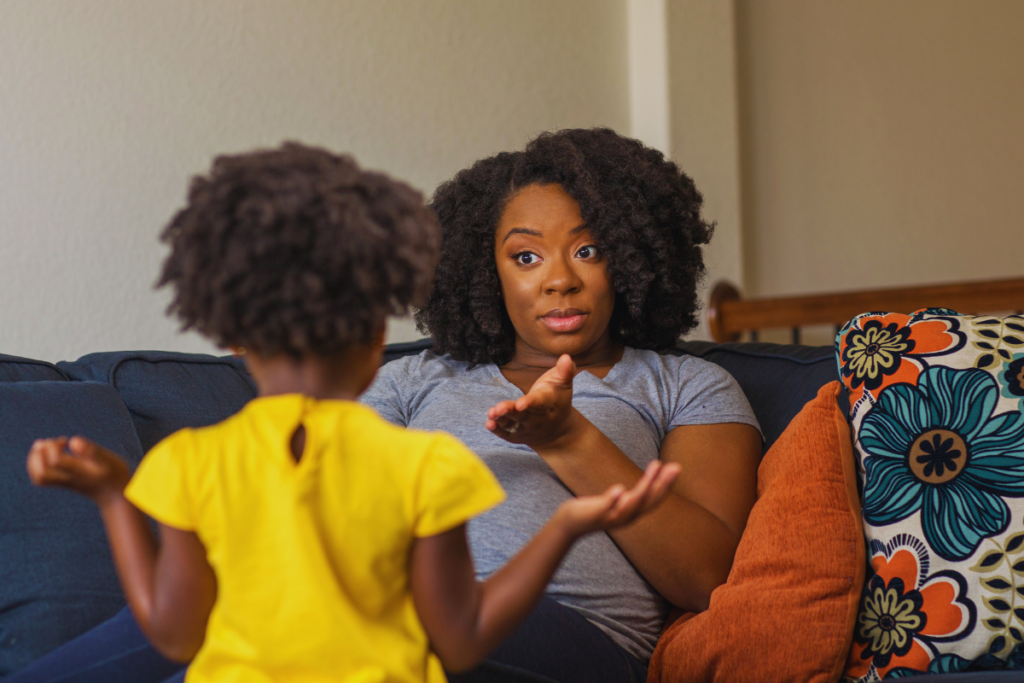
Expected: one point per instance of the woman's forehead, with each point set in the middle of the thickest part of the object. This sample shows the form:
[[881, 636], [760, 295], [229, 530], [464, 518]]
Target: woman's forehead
[[541, 210]]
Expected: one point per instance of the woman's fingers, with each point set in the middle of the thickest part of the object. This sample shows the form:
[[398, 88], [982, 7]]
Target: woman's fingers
[[500, 409], [559, 375]]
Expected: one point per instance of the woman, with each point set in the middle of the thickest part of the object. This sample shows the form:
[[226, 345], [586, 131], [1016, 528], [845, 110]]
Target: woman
[[565, 268], [585, 245]]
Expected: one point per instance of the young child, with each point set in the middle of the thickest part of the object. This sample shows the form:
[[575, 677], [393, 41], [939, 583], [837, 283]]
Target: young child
[[305, 538]]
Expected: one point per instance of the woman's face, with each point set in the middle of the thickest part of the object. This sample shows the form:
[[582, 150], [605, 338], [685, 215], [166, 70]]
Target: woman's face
[[554, 280]]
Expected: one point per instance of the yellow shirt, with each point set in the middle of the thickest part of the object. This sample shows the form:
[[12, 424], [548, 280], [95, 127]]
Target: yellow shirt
[[312, 557]]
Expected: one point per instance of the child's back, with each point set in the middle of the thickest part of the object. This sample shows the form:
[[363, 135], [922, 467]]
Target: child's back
[[312, 556]]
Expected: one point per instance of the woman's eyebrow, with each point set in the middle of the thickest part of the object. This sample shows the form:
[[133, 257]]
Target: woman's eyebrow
[[537, 233], [521, 231]]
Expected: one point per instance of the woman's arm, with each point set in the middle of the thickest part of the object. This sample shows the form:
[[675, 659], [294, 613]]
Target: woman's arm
[[685, 547], [466, 620], [170, 587]]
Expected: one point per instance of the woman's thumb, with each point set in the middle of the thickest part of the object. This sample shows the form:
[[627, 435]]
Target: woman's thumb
[[566, 368]]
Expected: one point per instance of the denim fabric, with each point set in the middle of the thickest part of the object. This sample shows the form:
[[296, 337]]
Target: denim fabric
[[553, 645], [14, 369], [113, 652], [57, 576], [167, 391], [556, 644]]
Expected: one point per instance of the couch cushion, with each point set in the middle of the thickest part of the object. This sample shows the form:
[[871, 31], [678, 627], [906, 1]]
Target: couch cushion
[[777, 379], [56, 576], [167, 391], [787, 611], [939, 431], [14, 369]]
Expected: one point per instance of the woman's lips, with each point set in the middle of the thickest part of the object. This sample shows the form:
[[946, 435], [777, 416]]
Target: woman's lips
[[564, 321]]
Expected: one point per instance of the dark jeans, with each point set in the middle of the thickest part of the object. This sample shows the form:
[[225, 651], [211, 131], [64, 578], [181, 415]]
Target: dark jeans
[[554, 645]]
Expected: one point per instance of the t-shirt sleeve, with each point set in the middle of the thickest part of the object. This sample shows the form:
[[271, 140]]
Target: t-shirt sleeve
[[453, 486], [384, 394], [708, 394], [160, 486]]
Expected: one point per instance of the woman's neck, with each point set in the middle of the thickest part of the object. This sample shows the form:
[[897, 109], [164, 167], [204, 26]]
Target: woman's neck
[[604, 353]]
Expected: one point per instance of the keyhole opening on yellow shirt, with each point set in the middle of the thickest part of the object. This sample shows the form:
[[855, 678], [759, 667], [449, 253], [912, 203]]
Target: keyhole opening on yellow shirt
[[298, 443]]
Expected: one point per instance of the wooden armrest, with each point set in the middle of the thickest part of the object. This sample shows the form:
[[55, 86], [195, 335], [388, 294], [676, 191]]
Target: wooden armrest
[[729, 314]]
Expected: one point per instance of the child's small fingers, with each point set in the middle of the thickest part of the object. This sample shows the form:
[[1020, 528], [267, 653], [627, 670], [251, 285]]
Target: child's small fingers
[[35, 464], [51, 450], [627, 504], [656, 492], [44, 471], [84, 448], [661, 487]]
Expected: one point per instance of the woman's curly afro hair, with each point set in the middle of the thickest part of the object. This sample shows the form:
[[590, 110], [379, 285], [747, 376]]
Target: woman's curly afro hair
[[641, 209], [297, 251]]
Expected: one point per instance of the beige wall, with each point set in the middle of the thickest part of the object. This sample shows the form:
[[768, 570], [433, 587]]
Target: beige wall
[[882, 142], [107, 107], [838, 145], [704, 123]]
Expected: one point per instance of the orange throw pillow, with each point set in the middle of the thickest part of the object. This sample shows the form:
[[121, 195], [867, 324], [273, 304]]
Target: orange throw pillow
[[787, 611]]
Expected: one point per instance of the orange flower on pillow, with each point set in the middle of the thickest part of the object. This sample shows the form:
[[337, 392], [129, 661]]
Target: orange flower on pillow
[[879, 349], [904, 612]]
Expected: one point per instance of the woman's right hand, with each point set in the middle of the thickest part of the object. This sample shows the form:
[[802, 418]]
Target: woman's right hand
[[618, 506], [77, 464]]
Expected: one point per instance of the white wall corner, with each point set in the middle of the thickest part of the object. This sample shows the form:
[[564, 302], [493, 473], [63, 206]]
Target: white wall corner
[[648, 73]]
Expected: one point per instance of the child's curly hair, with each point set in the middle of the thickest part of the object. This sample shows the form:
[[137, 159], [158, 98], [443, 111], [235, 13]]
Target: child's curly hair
[[642, 210], [297, 251]]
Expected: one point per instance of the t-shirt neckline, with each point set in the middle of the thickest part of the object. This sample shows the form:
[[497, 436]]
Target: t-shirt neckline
[[607, 379]]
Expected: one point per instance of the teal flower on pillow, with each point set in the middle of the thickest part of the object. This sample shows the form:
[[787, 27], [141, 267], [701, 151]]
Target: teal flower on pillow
[[937, 448]]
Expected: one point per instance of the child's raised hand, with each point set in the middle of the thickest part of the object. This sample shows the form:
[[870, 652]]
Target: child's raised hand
[[618, 506], [77, 464], [542, 414]]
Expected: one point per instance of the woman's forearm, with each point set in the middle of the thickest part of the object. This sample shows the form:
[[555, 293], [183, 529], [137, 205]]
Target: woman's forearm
[[683, 550]]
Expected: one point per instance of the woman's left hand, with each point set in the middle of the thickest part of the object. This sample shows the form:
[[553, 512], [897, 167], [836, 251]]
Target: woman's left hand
[[543, 415]]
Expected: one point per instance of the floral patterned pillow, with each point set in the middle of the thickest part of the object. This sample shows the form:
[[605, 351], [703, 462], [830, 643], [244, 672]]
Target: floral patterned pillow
[[936, 407]]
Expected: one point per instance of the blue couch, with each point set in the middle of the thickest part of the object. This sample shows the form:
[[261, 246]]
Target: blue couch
[[56, 576]]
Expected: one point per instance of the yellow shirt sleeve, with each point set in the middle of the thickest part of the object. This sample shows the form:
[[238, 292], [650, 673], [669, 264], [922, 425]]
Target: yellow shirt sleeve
[[159, 486], [454, 485]]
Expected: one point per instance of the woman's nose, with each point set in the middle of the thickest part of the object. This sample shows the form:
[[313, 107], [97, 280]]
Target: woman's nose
[[561, 278]]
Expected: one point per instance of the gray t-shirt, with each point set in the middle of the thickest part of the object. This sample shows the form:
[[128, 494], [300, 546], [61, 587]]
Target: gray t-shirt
[[643, 397]]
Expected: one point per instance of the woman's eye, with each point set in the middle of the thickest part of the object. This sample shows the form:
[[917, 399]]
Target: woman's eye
[[588, 251], [525, 258]]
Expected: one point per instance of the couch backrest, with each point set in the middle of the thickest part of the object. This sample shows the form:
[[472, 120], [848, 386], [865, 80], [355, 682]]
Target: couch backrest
[[15, 369], [778, 379], [165, 391]]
